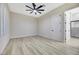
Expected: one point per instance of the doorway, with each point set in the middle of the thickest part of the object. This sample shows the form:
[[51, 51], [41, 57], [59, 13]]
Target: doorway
[[72, 27]]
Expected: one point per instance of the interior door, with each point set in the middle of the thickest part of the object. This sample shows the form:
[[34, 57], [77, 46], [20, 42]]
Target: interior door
[[56, 27]]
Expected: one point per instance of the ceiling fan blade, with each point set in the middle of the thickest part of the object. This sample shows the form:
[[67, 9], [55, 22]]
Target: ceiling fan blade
[[40, 6], [31, 12], [28, 10], [40, 9], [29, 7], [34, 5]]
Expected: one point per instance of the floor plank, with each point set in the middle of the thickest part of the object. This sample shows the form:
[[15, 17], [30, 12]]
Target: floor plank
[[36, 45]]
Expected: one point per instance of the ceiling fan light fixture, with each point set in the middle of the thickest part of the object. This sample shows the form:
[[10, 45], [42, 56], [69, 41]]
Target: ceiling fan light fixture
[[34, 9]]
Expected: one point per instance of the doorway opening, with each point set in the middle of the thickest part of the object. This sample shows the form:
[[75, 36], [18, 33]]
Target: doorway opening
[[72, 27]]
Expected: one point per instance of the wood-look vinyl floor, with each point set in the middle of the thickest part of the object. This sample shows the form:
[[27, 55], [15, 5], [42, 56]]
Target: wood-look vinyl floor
[[37, 45]]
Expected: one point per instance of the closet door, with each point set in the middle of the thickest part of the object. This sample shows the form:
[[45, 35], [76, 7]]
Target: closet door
[[4, 22], [56, 27], [1, 20]]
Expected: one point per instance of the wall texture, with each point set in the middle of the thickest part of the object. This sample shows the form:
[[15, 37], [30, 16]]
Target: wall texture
[[4, 17], [21, 26], [54, 20]]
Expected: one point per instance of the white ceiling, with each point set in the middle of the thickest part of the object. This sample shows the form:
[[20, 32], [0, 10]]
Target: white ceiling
[[21, 9]]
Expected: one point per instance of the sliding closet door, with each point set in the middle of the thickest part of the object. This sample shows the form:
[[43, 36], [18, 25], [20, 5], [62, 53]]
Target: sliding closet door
[[4, 20], [4, 26], [1, 20]]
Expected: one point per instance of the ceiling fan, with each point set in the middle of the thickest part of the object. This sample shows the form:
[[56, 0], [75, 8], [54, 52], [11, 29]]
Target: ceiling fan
[[35, 9]]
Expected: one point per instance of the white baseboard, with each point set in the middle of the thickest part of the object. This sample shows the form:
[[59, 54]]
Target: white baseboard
[[12, 37]]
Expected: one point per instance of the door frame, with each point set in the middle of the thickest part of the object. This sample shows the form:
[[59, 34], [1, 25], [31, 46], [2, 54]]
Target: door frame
[[67, 23]]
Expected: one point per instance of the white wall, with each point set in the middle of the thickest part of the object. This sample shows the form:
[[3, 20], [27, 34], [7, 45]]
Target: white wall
[[49, 23], [44, 26], [4, 17], [22, 26]]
